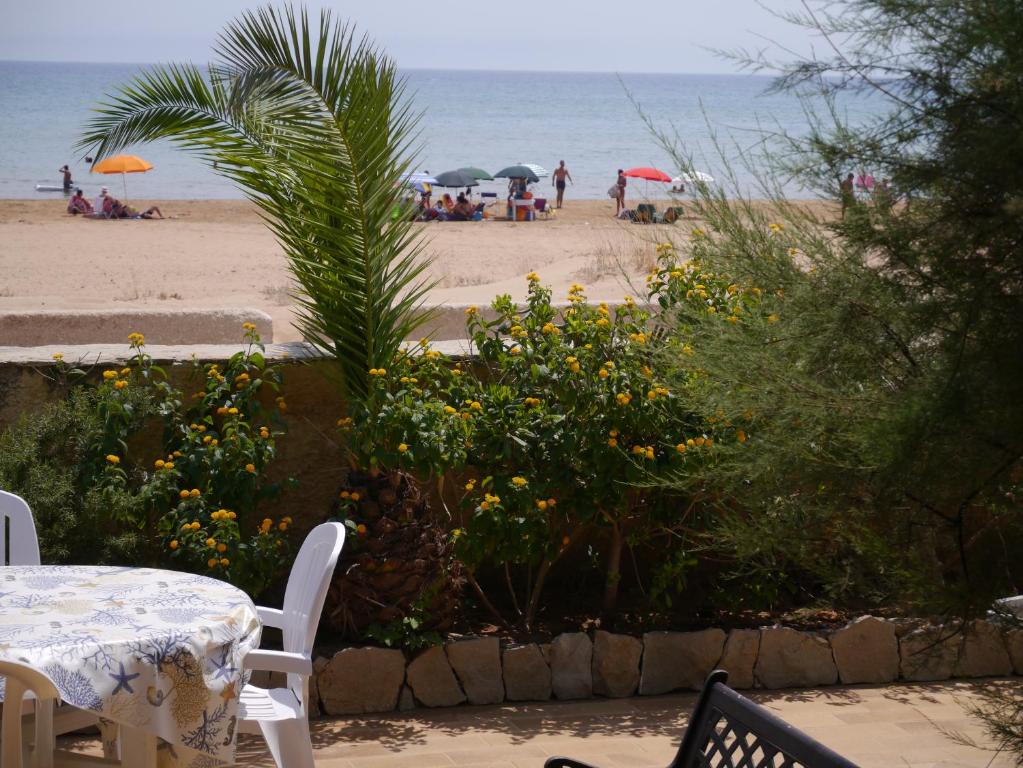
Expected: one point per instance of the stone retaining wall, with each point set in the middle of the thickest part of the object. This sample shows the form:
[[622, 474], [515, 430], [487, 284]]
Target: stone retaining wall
[[579, 665]]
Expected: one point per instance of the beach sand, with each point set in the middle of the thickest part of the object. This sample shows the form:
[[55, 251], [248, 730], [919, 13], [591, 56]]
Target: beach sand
[[218, 253]]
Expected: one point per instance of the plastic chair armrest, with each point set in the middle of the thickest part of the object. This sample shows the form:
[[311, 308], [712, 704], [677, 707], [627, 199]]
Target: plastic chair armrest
[[279, 661], [271, 617]]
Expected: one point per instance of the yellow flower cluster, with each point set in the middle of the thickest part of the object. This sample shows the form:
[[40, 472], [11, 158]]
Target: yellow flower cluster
[[115, 460], [638, 338], [532, 277], [192, 526], [517, 332], [223, 514], [136, 339], [345, 422], [573, 364], [544, 504], [58, 356], [353, 496], [108, 375], [550, 328], [402, 448], [470, 311], [519, 481], [377, 371], [249, 326], [532, 402], [643, 450], [189, 494], [623, 398]]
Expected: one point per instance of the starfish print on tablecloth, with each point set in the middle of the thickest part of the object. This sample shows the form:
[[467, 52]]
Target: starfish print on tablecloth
[[123, 679]]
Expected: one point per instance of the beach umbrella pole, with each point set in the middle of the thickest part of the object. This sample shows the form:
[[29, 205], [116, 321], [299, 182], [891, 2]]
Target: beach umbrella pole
[[124, 183]]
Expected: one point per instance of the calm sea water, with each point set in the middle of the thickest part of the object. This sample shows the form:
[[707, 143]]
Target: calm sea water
[[486, 119]]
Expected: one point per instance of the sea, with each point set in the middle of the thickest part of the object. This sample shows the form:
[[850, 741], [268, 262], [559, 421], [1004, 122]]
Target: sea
[[488, 119]]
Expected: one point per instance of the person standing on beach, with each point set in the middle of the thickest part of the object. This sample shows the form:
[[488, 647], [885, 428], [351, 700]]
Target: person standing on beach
[[67, 178], [620, 200], [558, 180], [846, 193]]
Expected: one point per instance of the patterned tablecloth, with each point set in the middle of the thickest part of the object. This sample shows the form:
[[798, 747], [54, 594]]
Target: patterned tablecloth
[[157, 650]]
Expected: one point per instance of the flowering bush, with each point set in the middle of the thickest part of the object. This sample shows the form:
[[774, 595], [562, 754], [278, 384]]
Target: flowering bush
[[197, 500], [560, 424]]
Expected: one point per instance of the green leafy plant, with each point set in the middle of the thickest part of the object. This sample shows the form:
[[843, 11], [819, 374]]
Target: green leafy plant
[[195, 505]]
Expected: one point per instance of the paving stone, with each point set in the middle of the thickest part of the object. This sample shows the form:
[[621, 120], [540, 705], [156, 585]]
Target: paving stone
[[432, 682], [527, 677], [740, 656], [477, 662], [928, 653], [866, 651], [792, 659], [571, 666], [358, 680], [1014, 642], [615, 664], [982, 652], [674, 660]]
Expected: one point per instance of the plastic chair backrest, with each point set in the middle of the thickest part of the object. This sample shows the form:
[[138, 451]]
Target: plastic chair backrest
[[308, 584], [19, 678], [18, 542]]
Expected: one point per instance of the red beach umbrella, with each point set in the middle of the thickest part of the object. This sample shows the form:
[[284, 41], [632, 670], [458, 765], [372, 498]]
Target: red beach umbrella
[[650, 174]]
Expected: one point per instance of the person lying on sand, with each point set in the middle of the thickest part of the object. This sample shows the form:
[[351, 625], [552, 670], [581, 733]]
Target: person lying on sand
[[115, 209], [78, 204]]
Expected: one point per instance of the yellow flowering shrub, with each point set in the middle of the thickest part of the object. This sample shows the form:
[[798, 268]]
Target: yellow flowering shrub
[[201, 495], [561, 419]]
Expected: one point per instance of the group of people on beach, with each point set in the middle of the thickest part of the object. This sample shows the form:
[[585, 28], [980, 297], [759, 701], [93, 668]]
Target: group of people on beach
[[879, 191], [107, 206]]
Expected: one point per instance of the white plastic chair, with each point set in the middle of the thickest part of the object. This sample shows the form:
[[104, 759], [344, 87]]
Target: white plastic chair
[[20, 546], [282, 714], [21, 678]]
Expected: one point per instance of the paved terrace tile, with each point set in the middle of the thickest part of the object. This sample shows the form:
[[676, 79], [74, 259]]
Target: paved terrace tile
[[910, 726]]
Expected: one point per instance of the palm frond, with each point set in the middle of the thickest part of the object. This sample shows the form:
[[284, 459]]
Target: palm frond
[[311, 122]]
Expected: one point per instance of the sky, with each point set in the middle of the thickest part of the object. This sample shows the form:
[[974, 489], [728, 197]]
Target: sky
[[561, 35]]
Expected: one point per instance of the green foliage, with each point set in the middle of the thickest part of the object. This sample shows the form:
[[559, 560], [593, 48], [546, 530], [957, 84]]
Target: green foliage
[[87, 468], [311, 123], [885, 437], [559, 420]]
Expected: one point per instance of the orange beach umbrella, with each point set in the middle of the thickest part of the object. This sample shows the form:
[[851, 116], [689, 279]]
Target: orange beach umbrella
[[122, 164]]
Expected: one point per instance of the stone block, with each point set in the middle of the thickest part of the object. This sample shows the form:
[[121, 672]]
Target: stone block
[[406, 701], [928, 653], [615, 664], [791, 659], [359, 680], [527, 677], [319, 664], [1014, 642], [571, 666], [477, 662], [740, 656], [866, 651], [674, 660], [432, 682], [982, 652]]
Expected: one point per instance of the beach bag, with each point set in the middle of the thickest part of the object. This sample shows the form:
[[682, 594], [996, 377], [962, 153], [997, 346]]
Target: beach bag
[[613, 192]]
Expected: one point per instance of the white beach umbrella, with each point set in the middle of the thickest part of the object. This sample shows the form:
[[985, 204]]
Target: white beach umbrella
[[692, 178], [419, 177]]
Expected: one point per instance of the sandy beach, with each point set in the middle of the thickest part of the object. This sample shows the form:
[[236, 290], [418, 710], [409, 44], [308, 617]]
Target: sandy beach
[[217, 253]]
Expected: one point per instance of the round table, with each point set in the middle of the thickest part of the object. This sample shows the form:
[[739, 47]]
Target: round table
[[158, 652]]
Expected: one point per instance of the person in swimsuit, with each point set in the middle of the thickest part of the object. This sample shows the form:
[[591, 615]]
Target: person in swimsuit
[[67, 178], [620, 200], [78, 204], [558, 179], [847, 193]]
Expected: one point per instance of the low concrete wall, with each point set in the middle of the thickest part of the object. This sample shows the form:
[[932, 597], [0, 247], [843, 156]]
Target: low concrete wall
[[579, 665], [310, 451], [29, 328]]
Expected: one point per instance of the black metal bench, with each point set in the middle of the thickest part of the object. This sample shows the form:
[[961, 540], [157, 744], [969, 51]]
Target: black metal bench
[[727, 730]]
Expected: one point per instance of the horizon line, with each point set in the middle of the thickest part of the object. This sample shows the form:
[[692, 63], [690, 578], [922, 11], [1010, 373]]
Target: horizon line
[[430, 69]]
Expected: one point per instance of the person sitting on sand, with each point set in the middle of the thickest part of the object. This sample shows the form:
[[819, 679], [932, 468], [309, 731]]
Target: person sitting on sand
[[463, 209], [78, 204], [449, 204]]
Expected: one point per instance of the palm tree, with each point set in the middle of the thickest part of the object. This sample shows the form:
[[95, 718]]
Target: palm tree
[[312, 124]]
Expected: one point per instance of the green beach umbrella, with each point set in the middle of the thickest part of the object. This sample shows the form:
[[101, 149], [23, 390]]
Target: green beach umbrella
[[477, 173], [455, 179], [517, 172]]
